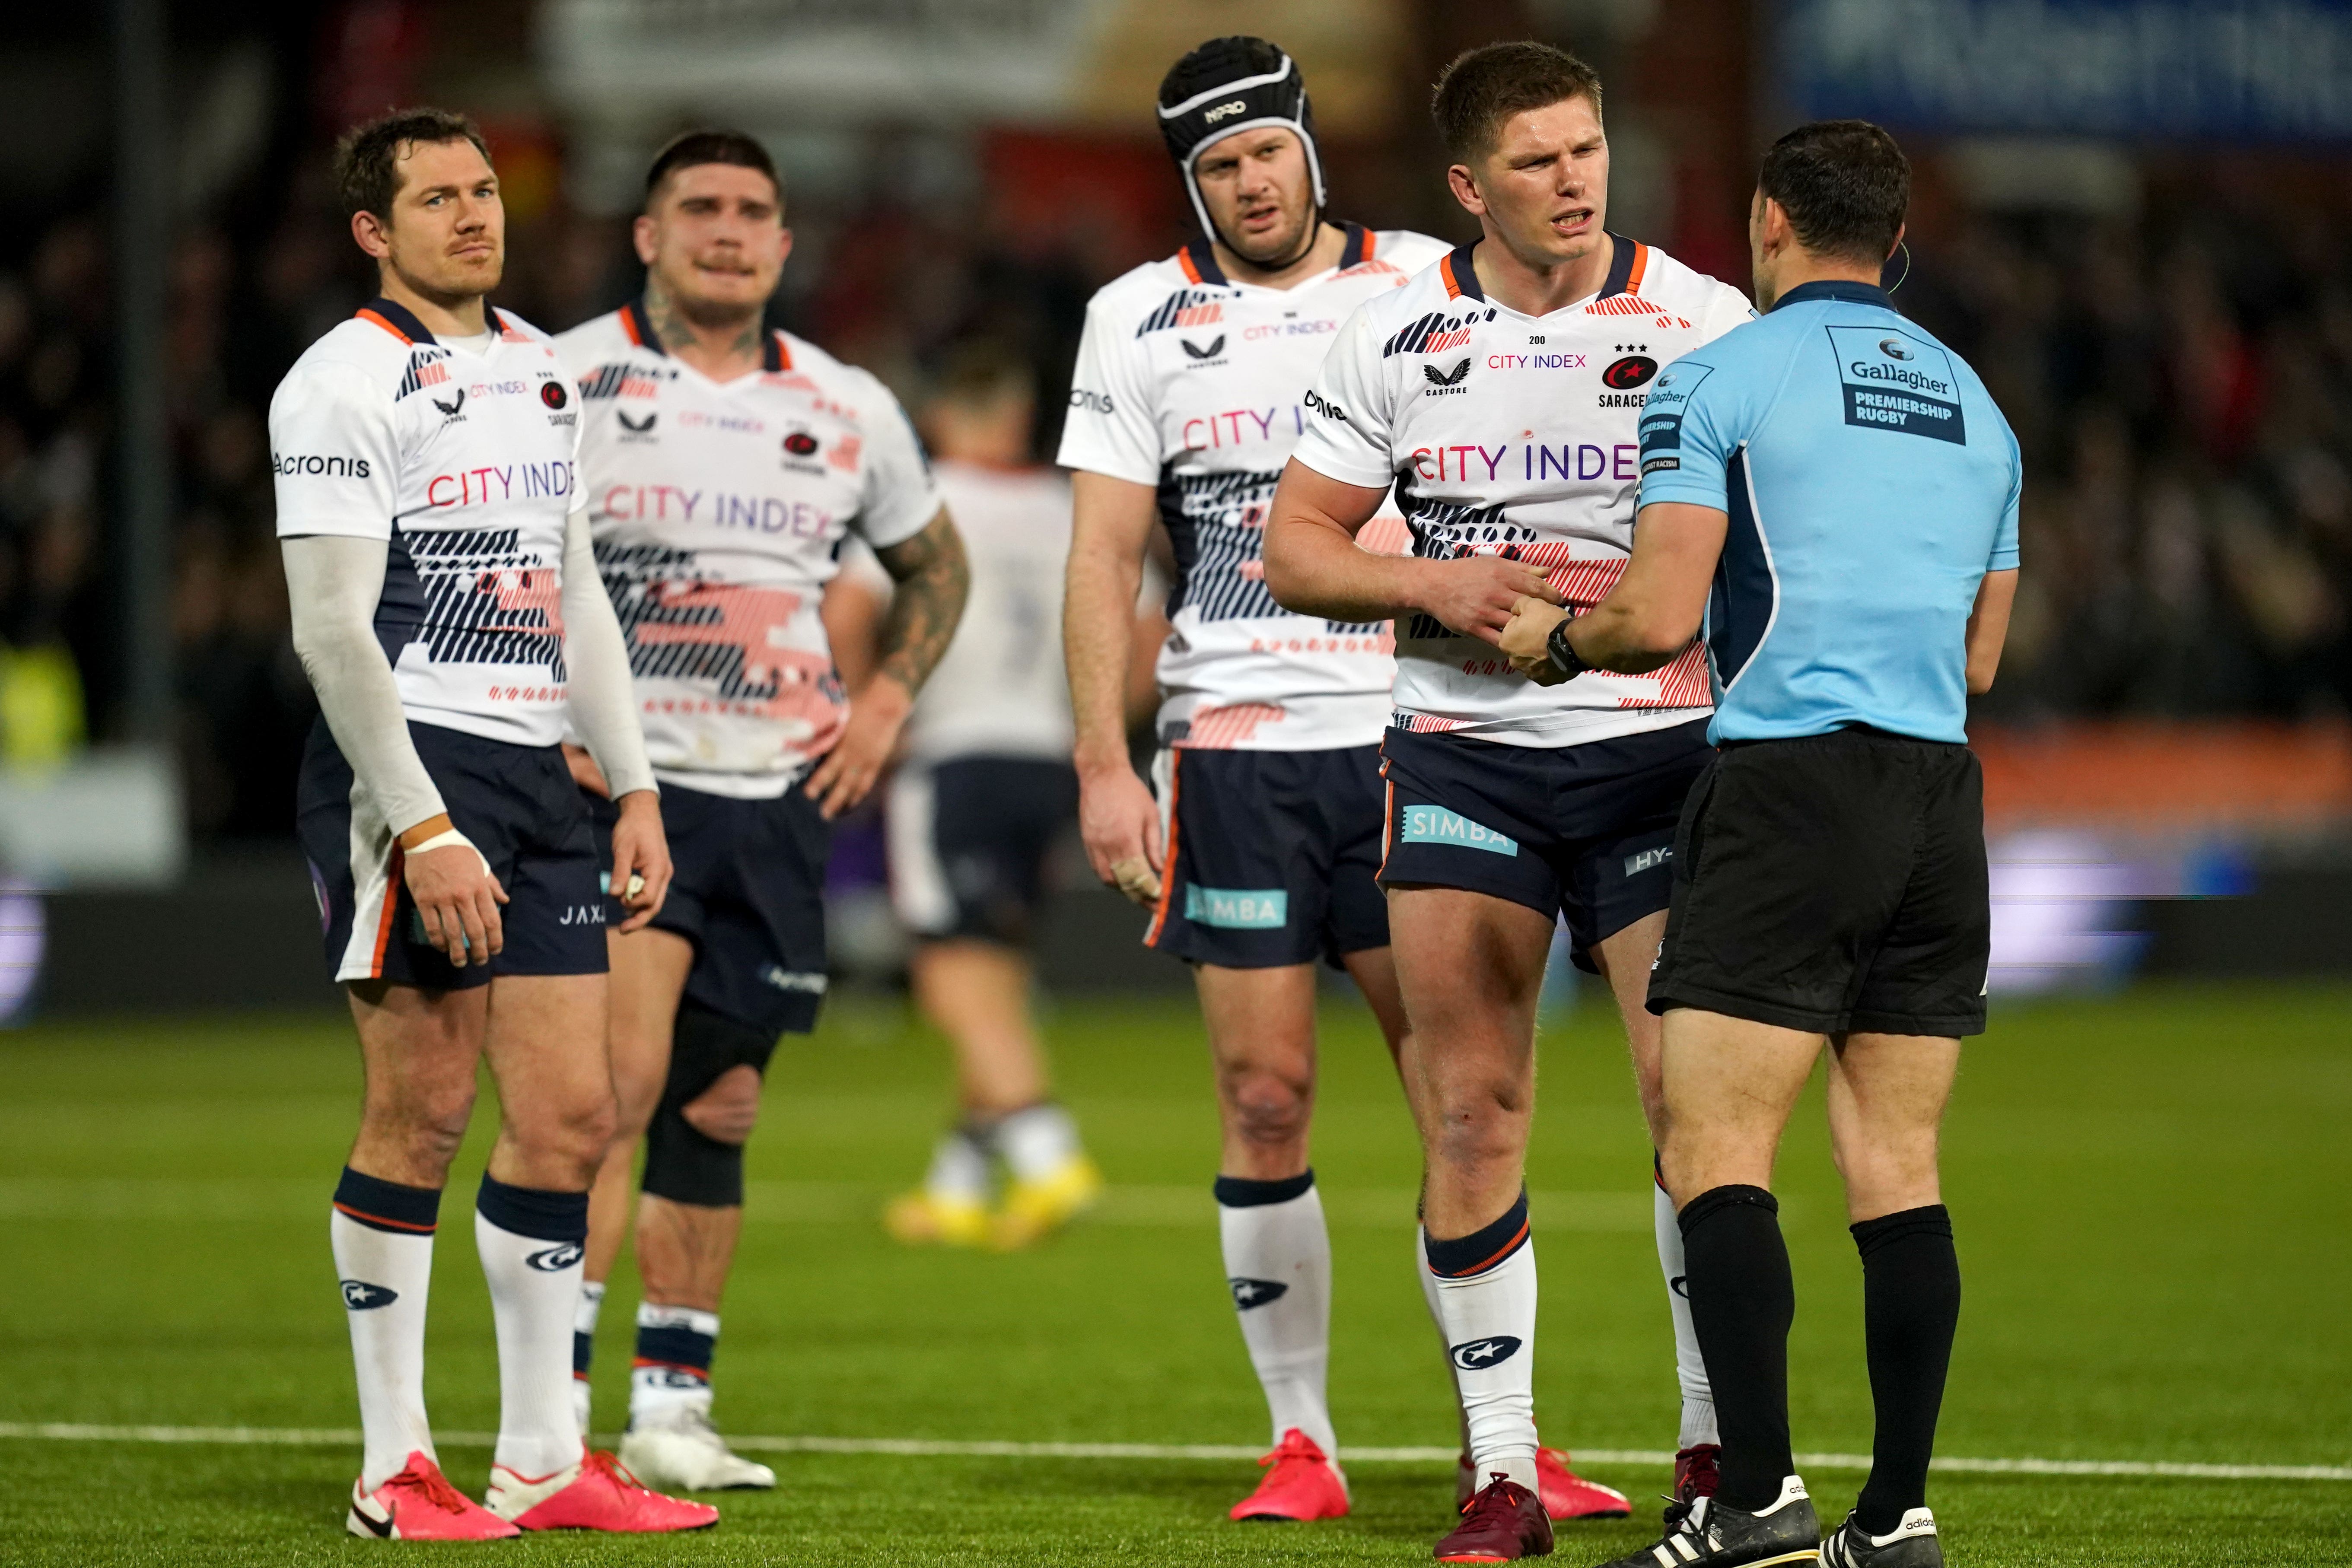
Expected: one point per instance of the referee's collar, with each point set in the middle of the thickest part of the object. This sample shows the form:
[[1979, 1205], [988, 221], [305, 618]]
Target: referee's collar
[[1836, 289]]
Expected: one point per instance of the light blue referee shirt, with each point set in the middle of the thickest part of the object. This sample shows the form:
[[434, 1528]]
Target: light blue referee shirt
[[1871, 484]]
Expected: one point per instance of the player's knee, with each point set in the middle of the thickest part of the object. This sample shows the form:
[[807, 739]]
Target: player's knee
[[583, 1130], [730, 1107], [1268, 1108], [694, 1144], [431, 1125]]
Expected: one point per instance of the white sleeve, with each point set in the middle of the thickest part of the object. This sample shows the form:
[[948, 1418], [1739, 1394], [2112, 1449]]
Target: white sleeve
[[862, 567], [604, 695], [900, 498], [332, 584], [1349, 416], [1110, 428], [334, 450], [1725, 308]]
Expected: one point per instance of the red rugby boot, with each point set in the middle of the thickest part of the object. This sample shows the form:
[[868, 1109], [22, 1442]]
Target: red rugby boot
[[1502, 1524], [1300, 1483], [595, 1494], [419, 1504], [1694, 1476], [1566, 1495]]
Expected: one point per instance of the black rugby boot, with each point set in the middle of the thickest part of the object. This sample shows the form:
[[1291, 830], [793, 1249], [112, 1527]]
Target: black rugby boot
[[1714, 1536]]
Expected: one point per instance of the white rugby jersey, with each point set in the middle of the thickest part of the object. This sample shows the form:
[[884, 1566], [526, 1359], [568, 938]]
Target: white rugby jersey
[[462, 463], [999, 691], [719, 510], [1191, 383], [1516, 435]]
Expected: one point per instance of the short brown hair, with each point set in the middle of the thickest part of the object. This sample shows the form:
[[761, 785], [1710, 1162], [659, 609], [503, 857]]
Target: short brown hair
[[367, 157], [977, 373], [1844, 185], [1479, 92], [694, 148]]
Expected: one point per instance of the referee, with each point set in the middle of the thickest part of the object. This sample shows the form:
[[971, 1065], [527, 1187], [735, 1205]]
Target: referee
[[1833, 491]]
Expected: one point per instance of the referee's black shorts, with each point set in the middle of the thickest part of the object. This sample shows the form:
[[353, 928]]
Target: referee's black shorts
[[1832, 883]]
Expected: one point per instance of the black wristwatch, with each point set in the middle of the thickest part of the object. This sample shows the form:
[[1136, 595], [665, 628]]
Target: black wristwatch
[[1563, 657]]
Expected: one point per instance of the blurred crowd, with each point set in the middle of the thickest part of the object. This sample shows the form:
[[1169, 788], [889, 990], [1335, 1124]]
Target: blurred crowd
[[2183, 395], [2184, 398]]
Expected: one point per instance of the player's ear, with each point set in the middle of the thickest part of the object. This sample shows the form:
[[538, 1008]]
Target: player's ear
[[367, 231], [784, 245], [1464, 185], [1900, 230], [644, 235]]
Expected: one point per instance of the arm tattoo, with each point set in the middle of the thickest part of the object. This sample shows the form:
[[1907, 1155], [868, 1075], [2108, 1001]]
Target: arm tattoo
[[670, 325], [933, 578]]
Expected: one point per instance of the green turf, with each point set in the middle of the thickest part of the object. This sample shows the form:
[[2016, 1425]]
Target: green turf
[[2152, 1193]]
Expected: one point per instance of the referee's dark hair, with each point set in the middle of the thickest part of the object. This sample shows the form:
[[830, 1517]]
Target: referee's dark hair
[[1845, 186], [697, 147], [1479, 92], [367, 157]]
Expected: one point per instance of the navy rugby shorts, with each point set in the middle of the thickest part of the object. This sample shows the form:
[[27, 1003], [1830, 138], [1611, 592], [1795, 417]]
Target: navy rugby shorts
[[1585, 831], [519, 806], [971, 842], [1271, 855], [1831, 883], [747, 888]]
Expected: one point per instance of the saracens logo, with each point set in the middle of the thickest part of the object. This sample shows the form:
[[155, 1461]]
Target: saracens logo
[[556, 1259], [801, 444], [1477, 1356], [551, 393], [1628, 373], [1248, 1293], [360, 1297]]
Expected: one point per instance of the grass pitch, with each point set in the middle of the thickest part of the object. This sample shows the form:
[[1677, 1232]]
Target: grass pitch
[[2152, 1193]]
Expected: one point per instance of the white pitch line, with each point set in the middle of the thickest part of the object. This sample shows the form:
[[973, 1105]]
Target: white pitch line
[[925, 1447]]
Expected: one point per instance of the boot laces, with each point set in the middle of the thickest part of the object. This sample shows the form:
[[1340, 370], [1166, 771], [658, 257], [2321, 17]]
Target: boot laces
[[1295, 1445], [436, 1488], [1498, 1497], [605, 1463]]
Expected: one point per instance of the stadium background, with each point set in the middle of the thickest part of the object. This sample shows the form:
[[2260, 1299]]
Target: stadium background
[[2134, 217]]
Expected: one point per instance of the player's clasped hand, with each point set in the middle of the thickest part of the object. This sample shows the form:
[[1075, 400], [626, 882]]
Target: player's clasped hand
[[1525, 638], [1121, 825], [641, 866], [456, 900], [1477, 594]]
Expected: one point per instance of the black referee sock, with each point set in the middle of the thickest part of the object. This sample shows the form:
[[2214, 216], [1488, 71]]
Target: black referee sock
[[1911, 1307], [1742, 1301]]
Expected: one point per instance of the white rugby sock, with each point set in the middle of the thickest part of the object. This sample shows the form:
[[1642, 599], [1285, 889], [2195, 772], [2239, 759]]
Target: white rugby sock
[[1278, 1266], [1690, 1366], [383, 1237], [673, 1368], [1445, 1348], [1487, 1303], [958, 1172], [1037, 1141], [584, 1345], [532, 1243]]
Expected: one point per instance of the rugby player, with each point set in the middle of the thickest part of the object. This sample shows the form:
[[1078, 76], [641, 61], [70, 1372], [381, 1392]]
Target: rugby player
[[1835, 493], [1257, 859], [981, 797], [446, 609], [723, 465], [1500, 391]]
